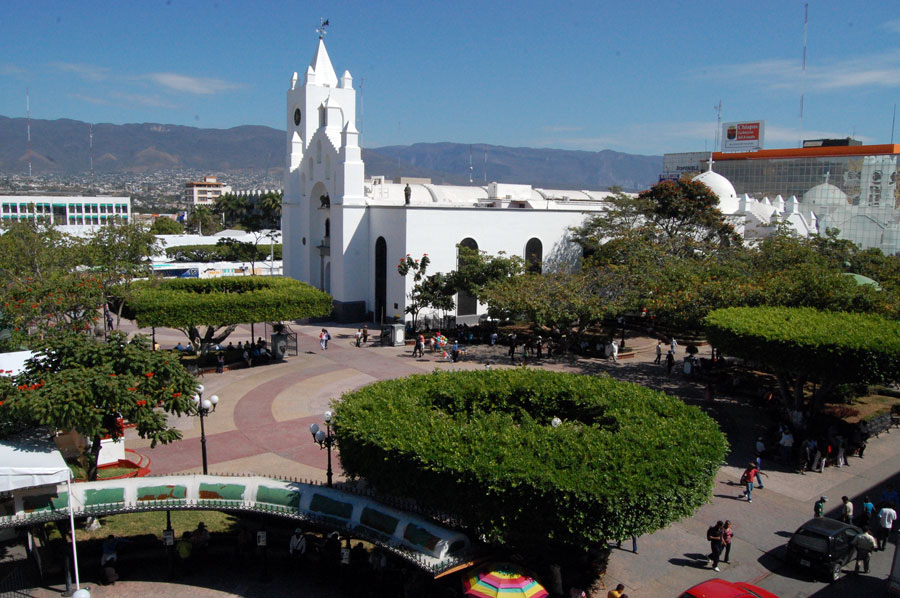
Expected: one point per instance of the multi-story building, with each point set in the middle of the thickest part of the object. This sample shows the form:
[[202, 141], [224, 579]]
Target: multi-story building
[[76, 211], [205, 192], [849, 187]]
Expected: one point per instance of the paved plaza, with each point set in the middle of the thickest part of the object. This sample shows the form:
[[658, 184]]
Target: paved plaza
[[261, 426]]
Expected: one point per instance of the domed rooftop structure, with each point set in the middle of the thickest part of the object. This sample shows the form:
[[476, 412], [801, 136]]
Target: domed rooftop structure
[[722, 187], [826, 195]]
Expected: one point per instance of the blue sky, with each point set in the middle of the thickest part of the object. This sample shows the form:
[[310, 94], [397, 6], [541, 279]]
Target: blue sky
[[634, 76]]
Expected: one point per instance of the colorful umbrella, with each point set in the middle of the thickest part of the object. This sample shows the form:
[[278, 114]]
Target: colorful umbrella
[[502, 580]]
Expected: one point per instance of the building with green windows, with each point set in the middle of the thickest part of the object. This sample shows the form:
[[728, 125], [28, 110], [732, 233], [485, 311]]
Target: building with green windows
[[75, 211]]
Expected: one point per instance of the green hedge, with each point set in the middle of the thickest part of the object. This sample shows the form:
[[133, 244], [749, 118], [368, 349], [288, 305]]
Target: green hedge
[[183, 302], [218, 253], [626, 460], [839, 346]]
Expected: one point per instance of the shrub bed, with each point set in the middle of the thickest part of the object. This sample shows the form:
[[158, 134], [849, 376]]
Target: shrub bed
[[182, 302], [625, 459]]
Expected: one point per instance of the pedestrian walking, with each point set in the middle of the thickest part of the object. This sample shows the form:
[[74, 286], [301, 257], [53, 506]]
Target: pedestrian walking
[[365, 333], [714, 535], [673, 345], [358, 337], [614, 351], [759, 472], [886, 518], [747, 479], [787, 447], [727, 536], [617, 593], [670, 361], [819, 507], [658, 359], [220, 363], [324, 337], [846, 510], [865, 543], [868, 512], [297, 547]]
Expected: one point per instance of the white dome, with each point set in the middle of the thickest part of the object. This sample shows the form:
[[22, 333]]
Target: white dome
[[826, 195], [722, 188]]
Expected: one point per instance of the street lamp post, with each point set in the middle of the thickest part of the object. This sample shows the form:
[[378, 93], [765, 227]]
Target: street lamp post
[[325, 439], [204, 406], [622, 322]]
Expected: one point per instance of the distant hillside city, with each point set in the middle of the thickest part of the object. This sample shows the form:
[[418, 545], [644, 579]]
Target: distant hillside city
[[152, 162]]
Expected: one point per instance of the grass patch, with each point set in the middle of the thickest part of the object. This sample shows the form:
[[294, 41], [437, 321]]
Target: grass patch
[[153, 523], [103, 473], [861, 408]]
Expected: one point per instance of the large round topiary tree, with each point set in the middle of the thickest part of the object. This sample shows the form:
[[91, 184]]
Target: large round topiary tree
[[221, 304], [623, 459], [802, 344]]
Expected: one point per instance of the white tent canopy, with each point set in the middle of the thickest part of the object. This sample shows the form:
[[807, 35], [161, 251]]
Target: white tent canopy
[[30, 460]]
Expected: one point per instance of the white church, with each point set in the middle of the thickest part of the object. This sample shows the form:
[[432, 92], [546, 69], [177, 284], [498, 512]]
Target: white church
[[345, 234]]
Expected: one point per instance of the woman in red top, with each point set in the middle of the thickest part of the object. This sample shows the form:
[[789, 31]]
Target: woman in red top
[[727, 535]]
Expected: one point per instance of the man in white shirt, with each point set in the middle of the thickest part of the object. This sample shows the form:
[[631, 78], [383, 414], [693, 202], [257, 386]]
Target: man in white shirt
[[886, 518]]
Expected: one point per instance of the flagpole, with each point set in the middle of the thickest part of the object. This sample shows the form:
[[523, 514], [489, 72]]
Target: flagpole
[[79, 593]]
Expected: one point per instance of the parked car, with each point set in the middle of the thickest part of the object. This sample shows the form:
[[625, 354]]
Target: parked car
[[823, 545], [719, 588]]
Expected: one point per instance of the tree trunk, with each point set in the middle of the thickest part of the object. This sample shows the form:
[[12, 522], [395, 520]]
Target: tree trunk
[[93, 458]]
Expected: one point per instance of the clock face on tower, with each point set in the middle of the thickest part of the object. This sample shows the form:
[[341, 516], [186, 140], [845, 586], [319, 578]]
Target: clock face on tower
[[297, 117]]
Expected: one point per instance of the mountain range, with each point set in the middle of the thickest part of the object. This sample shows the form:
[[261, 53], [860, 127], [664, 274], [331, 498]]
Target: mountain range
[[62, 147]]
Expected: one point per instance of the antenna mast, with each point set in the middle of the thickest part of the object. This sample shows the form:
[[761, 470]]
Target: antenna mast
[[91, 137], [470, 163], [485, 166], [28, 127], [803, 68], [893, 120], [718, 109]]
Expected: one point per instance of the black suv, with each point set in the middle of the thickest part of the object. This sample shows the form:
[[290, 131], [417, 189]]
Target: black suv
[[823, 545]]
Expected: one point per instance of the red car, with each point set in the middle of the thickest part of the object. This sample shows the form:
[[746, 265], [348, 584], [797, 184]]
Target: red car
[[719, 588]]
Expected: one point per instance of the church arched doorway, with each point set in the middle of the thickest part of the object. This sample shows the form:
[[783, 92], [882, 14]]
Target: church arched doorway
[[534, 254], [466, 304], [380, 279]]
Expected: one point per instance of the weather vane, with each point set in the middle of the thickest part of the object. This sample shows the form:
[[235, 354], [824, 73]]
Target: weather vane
[[321, 28]]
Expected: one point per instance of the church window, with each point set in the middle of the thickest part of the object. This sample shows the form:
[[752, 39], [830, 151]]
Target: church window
[[533, 255], [319, 151], [327, 166], [327, 228]]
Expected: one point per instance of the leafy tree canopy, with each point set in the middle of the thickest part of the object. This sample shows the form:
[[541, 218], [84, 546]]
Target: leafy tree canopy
[[805, 344], [44, 285], [625, 460], [166, 226], [221, 304], [85, 384]]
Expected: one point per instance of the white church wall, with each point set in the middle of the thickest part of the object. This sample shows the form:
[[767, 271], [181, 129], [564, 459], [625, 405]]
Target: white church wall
[[388, 222]]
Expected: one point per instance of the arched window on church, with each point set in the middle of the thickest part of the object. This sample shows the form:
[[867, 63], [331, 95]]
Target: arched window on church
[[534, 251], [466, 304], [327, 228], [327, 166], [323, 119], [319, 151]]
